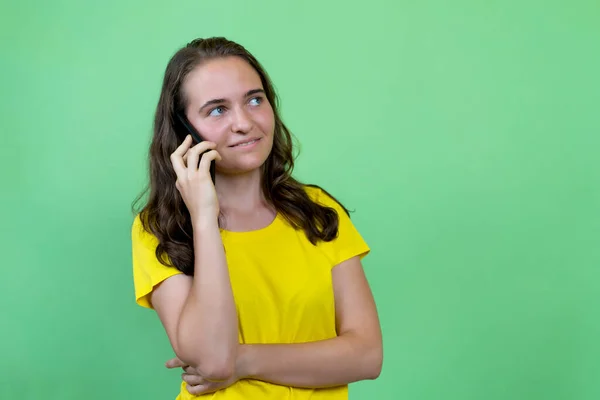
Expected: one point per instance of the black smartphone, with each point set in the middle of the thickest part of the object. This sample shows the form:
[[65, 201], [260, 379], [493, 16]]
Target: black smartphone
[[184, 128]]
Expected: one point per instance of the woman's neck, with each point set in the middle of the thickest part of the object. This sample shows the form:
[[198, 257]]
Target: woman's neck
[[241, 192]]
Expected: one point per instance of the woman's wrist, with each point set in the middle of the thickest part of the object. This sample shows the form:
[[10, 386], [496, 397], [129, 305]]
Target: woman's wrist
[[204, 223], [244, 365]]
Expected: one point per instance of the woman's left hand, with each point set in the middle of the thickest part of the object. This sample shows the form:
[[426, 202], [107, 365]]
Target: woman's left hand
[[196, 384]]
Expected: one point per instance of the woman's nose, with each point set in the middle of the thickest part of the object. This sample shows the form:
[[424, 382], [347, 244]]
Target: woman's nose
[[241, 122]]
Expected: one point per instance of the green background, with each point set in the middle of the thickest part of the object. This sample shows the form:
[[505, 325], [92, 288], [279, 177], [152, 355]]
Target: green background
[[464, 134]]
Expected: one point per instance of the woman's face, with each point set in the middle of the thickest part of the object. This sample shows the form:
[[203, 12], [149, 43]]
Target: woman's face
[[227, 105]]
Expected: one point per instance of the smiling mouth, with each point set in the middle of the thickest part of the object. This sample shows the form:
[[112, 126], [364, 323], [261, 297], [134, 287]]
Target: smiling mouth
[[248, 143]]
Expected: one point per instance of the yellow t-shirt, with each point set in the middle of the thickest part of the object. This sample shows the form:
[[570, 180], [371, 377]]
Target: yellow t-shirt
[[282, 288]]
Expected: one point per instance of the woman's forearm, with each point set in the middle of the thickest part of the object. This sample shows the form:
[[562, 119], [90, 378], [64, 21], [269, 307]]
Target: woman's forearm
[[327, 363], [208, 334]]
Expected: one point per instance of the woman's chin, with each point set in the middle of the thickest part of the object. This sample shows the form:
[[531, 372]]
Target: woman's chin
[[240, 169]]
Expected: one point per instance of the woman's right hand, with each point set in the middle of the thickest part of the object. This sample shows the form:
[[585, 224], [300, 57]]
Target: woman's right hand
[[193, 178]]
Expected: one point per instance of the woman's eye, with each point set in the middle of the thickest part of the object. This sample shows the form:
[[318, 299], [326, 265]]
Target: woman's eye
[[215, 112], [255, 101]]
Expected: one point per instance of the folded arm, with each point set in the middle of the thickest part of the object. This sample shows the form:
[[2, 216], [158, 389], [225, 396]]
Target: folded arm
[[199, 313], [355, 354]]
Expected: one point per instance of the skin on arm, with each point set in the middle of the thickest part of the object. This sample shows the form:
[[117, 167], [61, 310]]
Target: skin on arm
[[199, 313], [355, 354]]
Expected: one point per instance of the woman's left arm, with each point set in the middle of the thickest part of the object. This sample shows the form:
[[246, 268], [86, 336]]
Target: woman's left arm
[[355, 354]]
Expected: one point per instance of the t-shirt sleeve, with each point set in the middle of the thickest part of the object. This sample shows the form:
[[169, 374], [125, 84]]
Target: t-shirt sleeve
[[349, 242], [148, 272]]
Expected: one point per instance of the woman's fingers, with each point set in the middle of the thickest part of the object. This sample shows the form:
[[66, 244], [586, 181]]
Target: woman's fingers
[[177, 156], [207, 158], [193, 154], [199, 389], [176, 363], [192, 380]]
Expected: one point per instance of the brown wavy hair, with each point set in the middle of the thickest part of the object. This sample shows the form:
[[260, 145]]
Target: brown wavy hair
[[165, 214]]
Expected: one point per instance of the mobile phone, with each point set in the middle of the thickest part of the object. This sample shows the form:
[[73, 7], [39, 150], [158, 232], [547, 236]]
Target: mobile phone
[[183, 129]]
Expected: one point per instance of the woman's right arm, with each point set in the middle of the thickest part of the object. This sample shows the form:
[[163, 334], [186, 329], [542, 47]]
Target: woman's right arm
[[199, 313]]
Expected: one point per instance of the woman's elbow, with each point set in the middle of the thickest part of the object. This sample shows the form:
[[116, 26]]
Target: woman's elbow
[[219, 368], [217, 372], [213, 367], [375, 362], [374, 372], [211, 370]]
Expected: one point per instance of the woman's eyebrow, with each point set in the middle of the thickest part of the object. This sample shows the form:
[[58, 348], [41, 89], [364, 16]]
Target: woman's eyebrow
[[219, 101]]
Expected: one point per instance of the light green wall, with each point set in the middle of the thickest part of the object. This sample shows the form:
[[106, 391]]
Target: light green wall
[[465, 135]]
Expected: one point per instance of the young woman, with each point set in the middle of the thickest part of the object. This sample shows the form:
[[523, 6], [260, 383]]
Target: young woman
[[256, 277]]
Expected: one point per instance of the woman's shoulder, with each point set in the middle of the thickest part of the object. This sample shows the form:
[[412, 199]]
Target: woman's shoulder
[[139, 233], [137, 227], [316, 193], [320, 195], [313, 191]]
